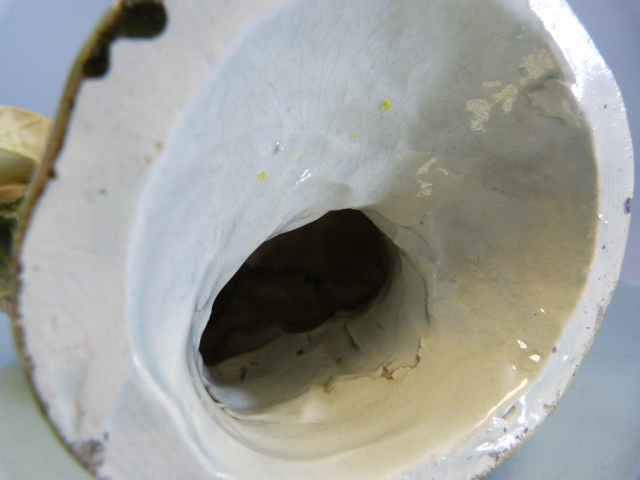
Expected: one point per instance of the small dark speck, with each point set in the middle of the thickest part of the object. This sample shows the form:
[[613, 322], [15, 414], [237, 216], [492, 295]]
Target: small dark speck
[[627, 206], [52, 173], [554, 349], [605, 105], [604, 246], [243, 372], [588, 328], [526, 430], [90, 453], [300, 352], [103, 191]]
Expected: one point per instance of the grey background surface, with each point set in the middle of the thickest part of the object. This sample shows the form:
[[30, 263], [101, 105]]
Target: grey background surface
[[593, 434]]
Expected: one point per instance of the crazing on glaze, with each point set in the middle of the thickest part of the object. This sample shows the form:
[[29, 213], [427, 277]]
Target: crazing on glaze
[[476, 271], [464, 133]]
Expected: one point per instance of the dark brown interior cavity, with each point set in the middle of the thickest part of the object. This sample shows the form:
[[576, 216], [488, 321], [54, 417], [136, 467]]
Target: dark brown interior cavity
[[295, 281]]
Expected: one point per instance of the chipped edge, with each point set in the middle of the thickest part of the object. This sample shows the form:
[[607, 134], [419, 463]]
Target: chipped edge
[[90, 453]]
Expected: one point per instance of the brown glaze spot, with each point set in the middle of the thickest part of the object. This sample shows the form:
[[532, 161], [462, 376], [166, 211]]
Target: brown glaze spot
[[135, 19]]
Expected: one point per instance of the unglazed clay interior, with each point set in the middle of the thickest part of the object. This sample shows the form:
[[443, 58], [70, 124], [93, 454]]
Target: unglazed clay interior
[[455, 130], [290, 316], [296, 281]]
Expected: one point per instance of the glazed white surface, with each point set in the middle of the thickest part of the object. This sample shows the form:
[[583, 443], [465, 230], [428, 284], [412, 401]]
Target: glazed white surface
[[571, 445], [277, 150]]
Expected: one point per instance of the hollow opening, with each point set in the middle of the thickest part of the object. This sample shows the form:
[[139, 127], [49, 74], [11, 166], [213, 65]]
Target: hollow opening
[[296, 281], [289, 307]]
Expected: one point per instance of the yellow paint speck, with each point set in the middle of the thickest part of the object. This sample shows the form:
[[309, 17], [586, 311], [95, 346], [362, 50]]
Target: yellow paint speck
[[386, 105], [353, 137], [262, 176]]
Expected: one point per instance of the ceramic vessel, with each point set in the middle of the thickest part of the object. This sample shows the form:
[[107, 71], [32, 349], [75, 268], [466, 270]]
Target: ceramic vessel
[[486, 141]]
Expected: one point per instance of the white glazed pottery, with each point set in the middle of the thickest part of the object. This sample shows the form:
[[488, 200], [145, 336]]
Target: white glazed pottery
[[486, 139]]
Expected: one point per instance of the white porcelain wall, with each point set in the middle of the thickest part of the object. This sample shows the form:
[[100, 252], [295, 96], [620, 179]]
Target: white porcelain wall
[[38, 42]]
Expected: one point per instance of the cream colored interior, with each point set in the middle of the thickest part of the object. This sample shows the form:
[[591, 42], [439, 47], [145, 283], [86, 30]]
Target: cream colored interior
[[456, 131]]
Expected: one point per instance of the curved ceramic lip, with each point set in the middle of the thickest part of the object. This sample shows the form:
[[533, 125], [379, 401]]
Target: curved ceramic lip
[[601, 101], [595, 88], [45, 172]]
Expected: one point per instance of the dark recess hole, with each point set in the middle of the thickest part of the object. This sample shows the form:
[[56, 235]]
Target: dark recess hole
[[295, 281]]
